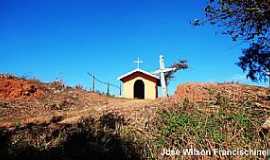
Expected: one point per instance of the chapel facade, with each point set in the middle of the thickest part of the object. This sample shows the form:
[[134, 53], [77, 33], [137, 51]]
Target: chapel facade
[[139, 84]]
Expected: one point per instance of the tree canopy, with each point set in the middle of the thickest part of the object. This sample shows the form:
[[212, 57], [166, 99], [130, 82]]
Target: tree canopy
[[247, 20]]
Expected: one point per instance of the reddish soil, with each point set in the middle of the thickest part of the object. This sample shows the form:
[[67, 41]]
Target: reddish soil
[[201, 92], [30, 101], [12, 88]]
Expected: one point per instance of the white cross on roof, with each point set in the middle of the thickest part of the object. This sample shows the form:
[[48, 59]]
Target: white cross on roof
[[138, 61]]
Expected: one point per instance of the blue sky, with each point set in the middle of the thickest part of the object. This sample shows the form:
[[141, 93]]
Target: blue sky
[[57, 39]]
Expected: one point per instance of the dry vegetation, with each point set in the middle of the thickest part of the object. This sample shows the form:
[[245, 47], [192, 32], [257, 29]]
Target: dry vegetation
[[52, 121]]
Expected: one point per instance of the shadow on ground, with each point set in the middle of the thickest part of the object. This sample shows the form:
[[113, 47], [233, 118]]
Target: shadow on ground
[[88, 139]]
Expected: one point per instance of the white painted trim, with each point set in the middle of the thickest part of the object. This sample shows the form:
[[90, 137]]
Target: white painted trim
[[138, 70]]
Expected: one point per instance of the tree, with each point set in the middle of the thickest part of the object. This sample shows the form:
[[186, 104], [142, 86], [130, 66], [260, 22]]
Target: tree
[[179, 65], [255, 60], [247, 20]]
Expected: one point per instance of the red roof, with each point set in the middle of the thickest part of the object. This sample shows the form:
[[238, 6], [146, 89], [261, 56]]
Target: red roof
[[139, 73]]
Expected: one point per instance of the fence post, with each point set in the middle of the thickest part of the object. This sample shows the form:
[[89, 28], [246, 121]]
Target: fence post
[[108, 84], [120, 89], [94, 78], [108, 89], [269, 80]]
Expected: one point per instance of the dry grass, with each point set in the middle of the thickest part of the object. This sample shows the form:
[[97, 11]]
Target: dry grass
[[227, 125], [101, 126]]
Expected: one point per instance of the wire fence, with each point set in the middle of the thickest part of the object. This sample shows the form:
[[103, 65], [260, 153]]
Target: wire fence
[[99, 86]]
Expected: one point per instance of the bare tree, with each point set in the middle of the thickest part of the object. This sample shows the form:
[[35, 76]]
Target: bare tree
[[179, 65]]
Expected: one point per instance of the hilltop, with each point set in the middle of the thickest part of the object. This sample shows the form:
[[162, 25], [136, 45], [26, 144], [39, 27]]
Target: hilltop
[[210, 92], [53, 121], [31, 101]]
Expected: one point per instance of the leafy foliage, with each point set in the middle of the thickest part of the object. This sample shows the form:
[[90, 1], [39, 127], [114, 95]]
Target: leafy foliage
[[256, 60], [247, 20]]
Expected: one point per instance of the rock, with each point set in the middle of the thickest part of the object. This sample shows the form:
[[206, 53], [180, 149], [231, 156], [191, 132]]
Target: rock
[[266, 124], [56, 119]]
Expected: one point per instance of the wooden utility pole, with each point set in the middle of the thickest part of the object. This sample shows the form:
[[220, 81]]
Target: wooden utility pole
[[268, 74], [108, 85], [108, 89], [93, 87], [120, 89], [93, 81], [269, 79]]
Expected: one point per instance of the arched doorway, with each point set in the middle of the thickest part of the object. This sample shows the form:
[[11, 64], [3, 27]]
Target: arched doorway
[[139, 89]]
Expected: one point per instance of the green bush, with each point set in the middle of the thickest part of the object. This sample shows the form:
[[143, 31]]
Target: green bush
[[230, 126]]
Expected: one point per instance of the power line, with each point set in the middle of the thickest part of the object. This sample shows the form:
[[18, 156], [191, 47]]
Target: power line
[[107, 84]]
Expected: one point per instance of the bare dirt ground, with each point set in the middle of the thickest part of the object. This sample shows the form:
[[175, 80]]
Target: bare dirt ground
[[207, 92], [30, 101], [71, 105], [32, 112]]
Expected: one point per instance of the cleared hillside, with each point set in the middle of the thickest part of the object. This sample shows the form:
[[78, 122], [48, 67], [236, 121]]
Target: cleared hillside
[[53, 121]]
